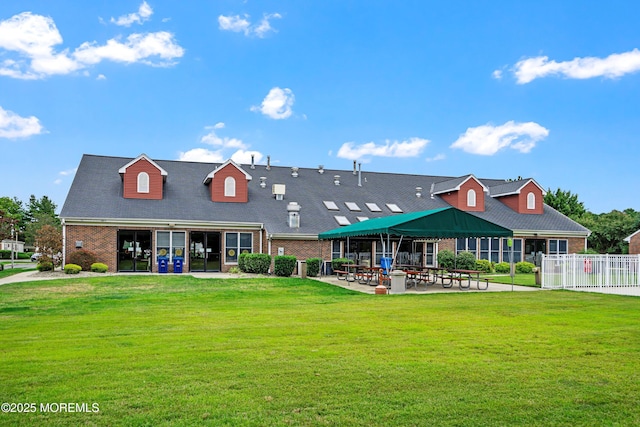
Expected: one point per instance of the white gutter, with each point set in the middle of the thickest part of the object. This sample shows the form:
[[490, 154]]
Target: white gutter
[[113, 222]]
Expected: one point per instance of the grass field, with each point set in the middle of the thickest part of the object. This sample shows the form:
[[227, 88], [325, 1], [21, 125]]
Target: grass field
[[175, 350]]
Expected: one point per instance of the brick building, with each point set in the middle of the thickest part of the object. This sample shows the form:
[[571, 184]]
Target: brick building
[[130, 211]]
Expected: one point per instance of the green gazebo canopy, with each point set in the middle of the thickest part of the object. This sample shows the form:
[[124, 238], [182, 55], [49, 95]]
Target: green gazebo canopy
[[440, 223]]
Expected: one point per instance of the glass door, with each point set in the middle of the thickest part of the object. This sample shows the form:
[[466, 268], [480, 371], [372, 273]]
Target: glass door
[[134, 250], [204, 251]]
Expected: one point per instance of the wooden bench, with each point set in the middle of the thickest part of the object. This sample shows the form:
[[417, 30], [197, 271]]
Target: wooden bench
[[341, 274]]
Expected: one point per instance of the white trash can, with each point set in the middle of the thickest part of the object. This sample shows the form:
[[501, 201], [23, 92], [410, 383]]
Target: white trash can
[[398, 282]]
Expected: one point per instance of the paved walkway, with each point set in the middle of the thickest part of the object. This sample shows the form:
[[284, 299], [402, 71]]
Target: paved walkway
[[420, 289]]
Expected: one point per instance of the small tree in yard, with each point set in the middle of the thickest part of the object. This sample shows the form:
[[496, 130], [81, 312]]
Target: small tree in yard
[[49, 240]]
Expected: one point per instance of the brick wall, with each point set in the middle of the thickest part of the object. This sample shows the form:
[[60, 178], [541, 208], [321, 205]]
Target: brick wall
[[99, 240], [634, 244]]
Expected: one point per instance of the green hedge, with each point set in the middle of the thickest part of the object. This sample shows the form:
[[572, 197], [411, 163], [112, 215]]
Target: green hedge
[[72, 269], [446, 259], [484, 265], [337, 263], [6, 254], [313, 266], [524, 267], [98, 267], [44, 266], [503, 267], [466, 261], [254, 263], [283, 265]]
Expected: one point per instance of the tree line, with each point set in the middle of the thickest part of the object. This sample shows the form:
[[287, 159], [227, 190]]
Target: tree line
[[608, 230], [27, 219]]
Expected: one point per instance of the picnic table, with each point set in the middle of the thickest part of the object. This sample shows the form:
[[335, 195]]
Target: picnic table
[[462, 275]]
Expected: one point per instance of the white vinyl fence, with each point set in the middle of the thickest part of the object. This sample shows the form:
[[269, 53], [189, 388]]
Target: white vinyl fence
[[617, 274]]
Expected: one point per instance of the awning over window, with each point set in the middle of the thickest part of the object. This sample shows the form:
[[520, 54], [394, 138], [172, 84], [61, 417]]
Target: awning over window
[[441, 223]]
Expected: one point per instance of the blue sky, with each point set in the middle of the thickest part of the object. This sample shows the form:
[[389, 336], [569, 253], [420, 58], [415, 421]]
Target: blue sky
[[500, 89]]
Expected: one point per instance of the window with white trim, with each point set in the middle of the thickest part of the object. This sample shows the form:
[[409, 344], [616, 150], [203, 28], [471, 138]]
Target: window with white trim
[[229, 187], [517, 250], [236, 244], [558, 246], [170, 244], [471, 198], [336, 249], [469, 244], [531, 201], [143, 182], [490, 249]]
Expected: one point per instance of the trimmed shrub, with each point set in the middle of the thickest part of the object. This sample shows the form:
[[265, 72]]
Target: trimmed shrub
[[98, 267], [5, 254], [524, 267], [44, 266], [254, 263], [503, 267], [465, 261], [283, 265], [446, 258], [336, 264], [484, 265], [83, 258], [72, 269], [313, 267]]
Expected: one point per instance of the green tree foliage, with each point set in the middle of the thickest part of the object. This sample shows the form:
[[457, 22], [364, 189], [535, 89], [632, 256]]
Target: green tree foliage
[[566, 203], [608, 230], [11, 213]]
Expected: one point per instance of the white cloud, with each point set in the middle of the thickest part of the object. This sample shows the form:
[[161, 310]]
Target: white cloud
[[144, 13], [244, 157], [101, 77], [277, 104], [241, 24], [234, 23], [201, 155], [497, 74], [410, 148], [158, 49], [613, 66], [489, 139], [222, 145], [15, 126], [224, 142], [33, 38], [64, 174], [436, 158]]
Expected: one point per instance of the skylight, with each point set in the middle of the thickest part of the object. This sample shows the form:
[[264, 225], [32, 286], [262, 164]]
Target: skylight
[[373, 207], [353, 206], [331, 205], [362, 218], [342, 220], [394, 208]]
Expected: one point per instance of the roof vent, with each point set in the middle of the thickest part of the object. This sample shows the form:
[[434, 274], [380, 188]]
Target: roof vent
[[418, 192], [263, 182], [268, 163], [278, 191], [355, 171], [294, 172], [336, 179], [320, 169], [253, 158], [359, 174]]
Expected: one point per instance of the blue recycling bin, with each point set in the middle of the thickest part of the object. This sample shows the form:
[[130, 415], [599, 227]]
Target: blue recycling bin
[[385, 264], [163, 264], [177, 264]]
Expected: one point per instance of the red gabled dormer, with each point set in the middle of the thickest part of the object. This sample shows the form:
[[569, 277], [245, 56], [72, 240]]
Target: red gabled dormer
[[465, 193], [228, 183], [523, 196], [142, 178]]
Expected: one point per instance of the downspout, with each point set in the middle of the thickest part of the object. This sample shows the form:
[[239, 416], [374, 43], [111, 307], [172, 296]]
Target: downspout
[[269, 237], [64, 242]]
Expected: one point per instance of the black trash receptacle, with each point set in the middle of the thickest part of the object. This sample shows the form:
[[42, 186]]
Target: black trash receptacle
[[177, 264], [163, 264]]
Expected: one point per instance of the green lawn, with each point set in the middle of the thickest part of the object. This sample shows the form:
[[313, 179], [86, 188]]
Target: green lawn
[[518, 279], [174, 350]]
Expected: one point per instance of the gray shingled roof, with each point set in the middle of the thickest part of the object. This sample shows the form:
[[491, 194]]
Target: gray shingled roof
[[96, 193]]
